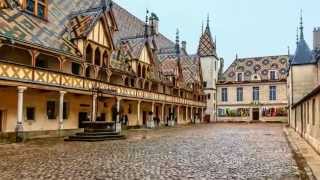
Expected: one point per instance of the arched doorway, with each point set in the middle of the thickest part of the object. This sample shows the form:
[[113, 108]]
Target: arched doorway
[[97, 57], [89, 54]]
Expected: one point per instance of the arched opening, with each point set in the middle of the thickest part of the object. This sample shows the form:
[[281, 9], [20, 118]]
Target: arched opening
[[48, 62], [139, 71], [126, 82], [15, 55], [90, 72], [132, 83], [97, 57], [144, 72], [89, 54], [72, 68], [103, 75], [146, 86], [105, 59]]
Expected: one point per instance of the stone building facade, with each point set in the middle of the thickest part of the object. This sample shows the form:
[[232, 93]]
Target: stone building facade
[[304, 90], [65, 62], [254, 89]]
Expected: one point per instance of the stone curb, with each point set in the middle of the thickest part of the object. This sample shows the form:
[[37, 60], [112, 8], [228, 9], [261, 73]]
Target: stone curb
[[308, 171]]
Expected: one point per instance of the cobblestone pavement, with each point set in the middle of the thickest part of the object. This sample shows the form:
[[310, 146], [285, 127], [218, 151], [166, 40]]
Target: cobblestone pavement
[[215, 151]]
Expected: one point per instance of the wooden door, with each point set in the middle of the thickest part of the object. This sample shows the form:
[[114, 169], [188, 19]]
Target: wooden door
[[1, 121], [255, 114], [83, 116], [144, 117]]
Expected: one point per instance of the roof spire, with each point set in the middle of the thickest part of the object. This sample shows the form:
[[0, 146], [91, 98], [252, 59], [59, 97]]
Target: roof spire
[[202, 28], [208, 20], [177, 42], [297, 38], [146, 24], [301, 25]]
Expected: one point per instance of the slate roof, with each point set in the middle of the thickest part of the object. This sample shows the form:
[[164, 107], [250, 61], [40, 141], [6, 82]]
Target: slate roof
[[207, 46], [303, 54], [257, 65]]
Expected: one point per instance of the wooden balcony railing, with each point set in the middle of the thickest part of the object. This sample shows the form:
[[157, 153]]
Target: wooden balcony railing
[[26, 74]]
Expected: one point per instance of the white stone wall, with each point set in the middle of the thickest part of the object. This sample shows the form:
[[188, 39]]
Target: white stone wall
[[210, 69]]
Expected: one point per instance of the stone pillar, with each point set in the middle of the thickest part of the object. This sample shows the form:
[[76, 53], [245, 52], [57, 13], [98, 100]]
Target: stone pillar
[[61, 100], [178, 114], [192, 120], [19, 126], [163, 113], [94, 108], [202, 115], [118, 123], [118, 110], [139, 112], [187, 108]]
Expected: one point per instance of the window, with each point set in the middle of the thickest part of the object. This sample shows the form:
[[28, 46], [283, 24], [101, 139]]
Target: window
[[313, 112], [30, 113], [204, 84], [224, 95], [75, 68], [37, 7], [51, 110], [240, 94], [65, 110], [209, 96], [273, 93], [240, 77], [273, 75], [255, 93]]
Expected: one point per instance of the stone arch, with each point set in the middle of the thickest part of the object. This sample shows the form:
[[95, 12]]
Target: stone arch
[[90, 72], [89, 54], [15, 55], [47, 62], [97, 57]]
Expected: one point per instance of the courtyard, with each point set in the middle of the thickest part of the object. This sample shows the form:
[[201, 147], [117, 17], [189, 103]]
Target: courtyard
[[215, 151]]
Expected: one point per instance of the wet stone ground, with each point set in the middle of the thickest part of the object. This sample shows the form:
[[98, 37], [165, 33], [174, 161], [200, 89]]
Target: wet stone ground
[[215, 151]]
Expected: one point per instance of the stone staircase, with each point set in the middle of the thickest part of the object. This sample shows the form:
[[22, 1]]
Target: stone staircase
[[97, 131]]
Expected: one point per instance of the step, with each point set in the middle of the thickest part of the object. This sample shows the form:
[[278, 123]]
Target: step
[[96, 136], [96, 133], [95, 140], [98, 130]]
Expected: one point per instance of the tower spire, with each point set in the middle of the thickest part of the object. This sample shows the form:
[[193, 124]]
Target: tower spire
[[146, 24], [297, 36], [301, 25], [202, 28], [177, 41], [208, 20]]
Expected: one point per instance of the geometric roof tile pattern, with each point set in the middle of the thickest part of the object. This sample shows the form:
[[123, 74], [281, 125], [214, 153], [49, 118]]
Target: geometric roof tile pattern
[[259, 66], [206, 45]]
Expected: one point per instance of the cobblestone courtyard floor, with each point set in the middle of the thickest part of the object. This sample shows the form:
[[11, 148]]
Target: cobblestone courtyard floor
[[215, 151]]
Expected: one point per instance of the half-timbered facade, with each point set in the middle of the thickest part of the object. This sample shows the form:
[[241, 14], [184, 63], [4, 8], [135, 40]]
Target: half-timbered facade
[[64, 62]]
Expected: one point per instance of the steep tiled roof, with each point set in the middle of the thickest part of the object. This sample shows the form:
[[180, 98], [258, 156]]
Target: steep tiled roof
[[206, 45], [257, 65], [21, 26]]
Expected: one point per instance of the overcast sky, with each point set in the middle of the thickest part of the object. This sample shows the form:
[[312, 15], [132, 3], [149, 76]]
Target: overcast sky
[[247, 27]]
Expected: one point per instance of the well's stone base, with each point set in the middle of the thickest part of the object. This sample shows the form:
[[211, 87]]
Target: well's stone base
[[11, 137]]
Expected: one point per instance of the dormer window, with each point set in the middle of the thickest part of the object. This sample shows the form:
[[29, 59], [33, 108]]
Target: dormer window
[[37, 8], [273, 75], [239, 77]]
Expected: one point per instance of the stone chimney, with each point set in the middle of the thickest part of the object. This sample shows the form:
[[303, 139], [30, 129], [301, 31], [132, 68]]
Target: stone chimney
[[154, 24], [316, 38], [184, 45]]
